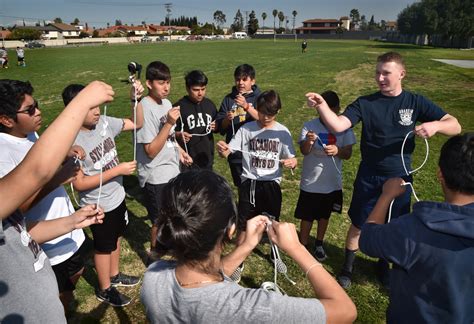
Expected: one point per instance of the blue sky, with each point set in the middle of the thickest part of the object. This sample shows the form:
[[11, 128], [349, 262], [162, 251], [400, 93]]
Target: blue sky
[[98, 13]]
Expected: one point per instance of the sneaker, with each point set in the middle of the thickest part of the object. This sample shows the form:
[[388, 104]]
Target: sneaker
[[319, 253], [112, 296], [237, 274], [345, 279], [124, 280]]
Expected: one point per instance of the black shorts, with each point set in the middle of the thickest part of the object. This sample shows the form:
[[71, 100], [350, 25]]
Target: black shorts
[[235, 166], [153, 199], [314, 206], [66, 269], [267, 199], [106, 234]]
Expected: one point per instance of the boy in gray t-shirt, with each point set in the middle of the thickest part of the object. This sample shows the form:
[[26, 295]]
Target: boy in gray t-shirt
[[158, 154], [96, 137], [265, 144]]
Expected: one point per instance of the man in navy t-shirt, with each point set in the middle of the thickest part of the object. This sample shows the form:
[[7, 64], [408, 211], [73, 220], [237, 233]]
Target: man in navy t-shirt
[[387, 116]]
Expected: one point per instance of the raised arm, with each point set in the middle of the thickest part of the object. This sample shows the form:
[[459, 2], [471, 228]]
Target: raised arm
[[45, 157], [333, 122], [338, 306], [136, 92], [152, 149], [448, 125]]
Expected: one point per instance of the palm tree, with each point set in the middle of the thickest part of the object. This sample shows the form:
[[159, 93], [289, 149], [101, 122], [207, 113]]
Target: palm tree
[[264, 16], [274, 13], [294, 13], [281, 18]]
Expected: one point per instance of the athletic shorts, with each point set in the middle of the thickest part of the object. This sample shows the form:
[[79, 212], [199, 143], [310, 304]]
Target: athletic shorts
[[66, 269], [367, 190], [153, 199], [267, 199], [235, 166], [106, 234], [315, 206]]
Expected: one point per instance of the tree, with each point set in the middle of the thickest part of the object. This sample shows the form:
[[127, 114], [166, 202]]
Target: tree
[[274, 13], [238, 24], [253, 23], [294, 13], [281, 18], [219, 18], [264, 16], [372, 24], [363, 22], [75, 22], [118, 22], [58, 20], [25, 33], [95, 33], [355, 17]]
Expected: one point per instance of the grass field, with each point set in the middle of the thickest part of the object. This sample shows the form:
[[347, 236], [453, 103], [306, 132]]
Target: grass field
[[344, 66]]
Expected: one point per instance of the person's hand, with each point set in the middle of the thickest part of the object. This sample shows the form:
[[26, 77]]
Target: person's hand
[[331, 150], [67, 172], [240, 100], [315, 99], [173, 115], [393, 188], [127, 168], [88, 215], [95, 94], [311, 136], [213, 126], [185, 159], [426, 130], [230, 115], [289, 163], [284, 236], [254, 230], [187, 137], [77, 151], [222, 148], [136, 91]]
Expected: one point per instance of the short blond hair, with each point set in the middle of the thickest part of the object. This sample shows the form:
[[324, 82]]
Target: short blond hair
[[391, 57]]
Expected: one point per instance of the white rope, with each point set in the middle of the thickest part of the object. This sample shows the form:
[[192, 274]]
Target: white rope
[[208, 131], [332, 156], [278, 265], [135, 125], [233, 110], [409, 172], [101, 161], [403, 160]]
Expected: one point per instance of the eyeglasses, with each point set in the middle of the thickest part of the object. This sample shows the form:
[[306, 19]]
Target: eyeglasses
[[30, 110]]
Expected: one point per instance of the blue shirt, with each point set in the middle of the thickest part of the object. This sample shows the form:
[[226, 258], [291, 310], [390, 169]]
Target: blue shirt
[[432, 250], [385, 123]]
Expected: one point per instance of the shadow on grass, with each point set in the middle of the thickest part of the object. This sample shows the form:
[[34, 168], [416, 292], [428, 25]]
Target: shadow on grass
[[98, 313], [401, 46]]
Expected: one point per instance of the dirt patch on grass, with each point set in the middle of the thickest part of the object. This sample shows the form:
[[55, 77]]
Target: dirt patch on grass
[[350, 84]]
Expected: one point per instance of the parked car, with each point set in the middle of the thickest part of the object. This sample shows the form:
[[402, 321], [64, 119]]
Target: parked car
[[146, 39], [160, 39], [34, 44]]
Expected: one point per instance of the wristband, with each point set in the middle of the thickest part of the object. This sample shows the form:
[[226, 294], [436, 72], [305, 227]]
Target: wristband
[[138, 100], [311, 267]]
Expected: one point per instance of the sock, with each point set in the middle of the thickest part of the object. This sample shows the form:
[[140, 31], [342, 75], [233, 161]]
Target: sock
[[349, 260], [319, 242]]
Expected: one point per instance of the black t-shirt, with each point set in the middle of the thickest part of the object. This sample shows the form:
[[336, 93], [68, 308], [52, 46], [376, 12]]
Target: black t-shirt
[[385, 123], [197, 118]]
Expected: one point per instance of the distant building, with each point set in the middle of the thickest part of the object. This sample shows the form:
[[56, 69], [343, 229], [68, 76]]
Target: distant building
[[265, 31], [391, 26], [345, 22], [319, 26], [54, 31]]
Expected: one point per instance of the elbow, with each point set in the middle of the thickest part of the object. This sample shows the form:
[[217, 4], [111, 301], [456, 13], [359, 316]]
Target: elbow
[[351, 313]]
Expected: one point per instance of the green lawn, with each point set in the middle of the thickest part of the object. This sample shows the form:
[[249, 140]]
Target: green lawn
[[344, 66]]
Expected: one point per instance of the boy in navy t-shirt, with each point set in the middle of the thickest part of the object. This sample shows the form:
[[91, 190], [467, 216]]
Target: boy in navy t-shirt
[[387, 116]]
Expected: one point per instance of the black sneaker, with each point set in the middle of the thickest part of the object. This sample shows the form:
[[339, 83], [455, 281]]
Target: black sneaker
[[345, 279], [112, 296], [124, 280], [319, 253]]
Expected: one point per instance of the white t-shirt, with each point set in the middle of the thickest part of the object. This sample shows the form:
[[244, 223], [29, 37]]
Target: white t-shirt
[[55, 205], [319, 174], [262, 148]]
